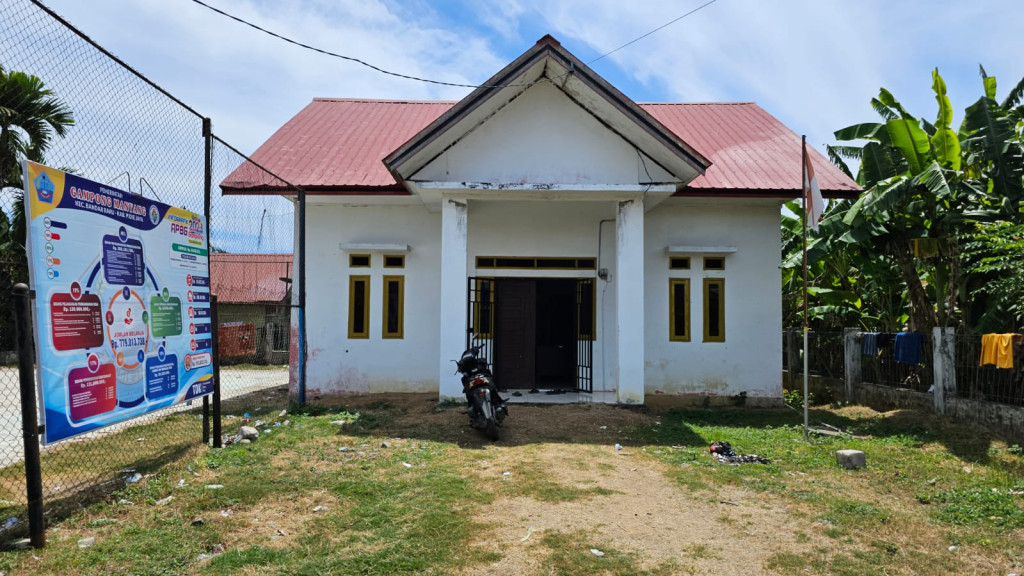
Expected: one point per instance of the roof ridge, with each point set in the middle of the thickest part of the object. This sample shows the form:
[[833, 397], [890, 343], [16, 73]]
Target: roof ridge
[[382, 100], [399, 101], [697, 103]]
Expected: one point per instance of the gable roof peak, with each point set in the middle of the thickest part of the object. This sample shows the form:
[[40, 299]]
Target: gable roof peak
[[548, 61], [550, 40]]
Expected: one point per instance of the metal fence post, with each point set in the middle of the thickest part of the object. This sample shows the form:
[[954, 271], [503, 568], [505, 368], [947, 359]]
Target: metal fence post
[[792, 358], [207, 201], [218, 442], [302, 297], [851, 361], [29, 417], [943, 365]]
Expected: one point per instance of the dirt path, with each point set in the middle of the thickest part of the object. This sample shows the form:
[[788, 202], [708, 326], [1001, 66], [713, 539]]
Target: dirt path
[[659, 521], [565, 477]]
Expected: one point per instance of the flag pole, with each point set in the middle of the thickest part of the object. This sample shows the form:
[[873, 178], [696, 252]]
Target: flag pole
[[805, 184]]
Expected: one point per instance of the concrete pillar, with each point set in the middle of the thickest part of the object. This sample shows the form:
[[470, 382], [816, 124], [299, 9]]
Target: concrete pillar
[[629, 300], [454, 294], [943, 366], [851, 361]]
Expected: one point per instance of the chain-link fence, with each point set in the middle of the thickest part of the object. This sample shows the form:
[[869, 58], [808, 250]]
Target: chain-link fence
[[129, 133], [826, 353]]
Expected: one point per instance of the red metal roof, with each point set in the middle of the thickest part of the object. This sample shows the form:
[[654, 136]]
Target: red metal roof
[[250, 278], [748, 147], [336, 146]]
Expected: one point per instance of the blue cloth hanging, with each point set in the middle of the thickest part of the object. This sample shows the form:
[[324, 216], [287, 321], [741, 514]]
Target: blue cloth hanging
[[869, 344], [908, 348]]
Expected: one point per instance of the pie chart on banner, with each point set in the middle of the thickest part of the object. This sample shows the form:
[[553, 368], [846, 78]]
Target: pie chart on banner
[[128, 334]]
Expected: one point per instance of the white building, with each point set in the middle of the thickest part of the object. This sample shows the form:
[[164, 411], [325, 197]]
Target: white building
[[589, 243]]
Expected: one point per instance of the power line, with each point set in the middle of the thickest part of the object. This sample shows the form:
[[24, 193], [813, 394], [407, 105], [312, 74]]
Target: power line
[[427, 80], [333, 54], [665, 25]]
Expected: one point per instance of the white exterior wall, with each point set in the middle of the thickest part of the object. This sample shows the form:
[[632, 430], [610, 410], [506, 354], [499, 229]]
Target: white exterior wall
[[550, 229], [338, 365], [542, 137], [750, 359]]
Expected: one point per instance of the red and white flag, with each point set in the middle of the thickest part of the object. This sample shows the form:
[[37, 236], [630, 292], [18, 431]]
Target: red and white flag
[[812, 194]]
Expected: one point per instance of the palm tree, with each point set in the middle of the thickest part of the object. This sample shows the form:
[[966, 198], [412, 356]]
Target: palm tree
[[30, 116]]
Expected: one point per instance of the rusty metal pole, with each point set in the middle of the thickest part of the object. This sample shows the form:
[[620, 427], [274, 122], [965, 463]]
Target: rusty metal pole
[[218, 441], [29, 417]]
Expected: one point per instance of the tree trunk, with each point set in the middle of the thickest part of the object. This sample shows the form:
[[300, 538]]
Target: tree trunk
[[921, 309], [954, 280]]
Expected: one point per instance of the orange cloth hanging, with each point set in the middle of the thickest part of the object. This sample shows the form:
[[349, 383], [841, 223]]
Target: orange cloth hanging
[[997, 349]]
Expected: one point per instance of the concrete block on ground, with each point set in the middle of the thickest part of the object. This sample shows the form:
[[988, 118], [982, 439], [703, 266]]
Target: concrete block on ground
[[851, 459]]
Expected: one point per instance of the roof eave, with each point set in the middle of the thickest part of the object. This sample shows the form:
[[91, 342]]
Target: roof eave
[[784, 193], [262, 190]]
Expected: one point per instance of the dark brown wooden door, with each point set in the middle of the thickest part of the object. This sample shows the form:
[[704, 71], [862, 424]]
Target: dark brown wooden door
[[515, 338]]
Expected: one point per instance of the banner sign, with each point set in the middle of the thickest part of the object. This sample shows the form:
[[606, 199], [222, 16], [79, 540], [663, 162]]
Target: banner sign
[[121, 291]]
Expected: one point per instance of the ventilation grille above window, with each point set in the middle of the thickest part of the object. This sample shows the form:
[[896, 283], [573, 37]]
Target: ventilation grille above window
[[532, 263]]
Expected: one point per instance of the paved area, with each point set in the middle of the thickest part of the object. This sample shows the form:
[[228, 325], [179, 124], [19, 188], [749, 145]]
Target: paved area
[[234, 382], [562, 397]]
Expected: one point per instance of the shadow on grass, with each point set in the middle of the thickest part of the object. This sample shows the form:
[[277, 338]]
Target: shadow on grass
[[88, 490], [78, 473], [967, 443], [421, 417]]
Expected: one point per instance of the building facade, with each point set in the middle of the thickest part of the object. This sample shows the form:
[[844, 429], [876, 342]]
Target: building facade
[[586, 243]]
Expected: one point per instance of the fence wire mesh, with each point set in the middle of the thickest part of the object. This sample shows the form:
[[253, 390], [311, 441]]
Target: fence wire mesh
[[826, 353], [130, 134], [987, 383], [882, 367]]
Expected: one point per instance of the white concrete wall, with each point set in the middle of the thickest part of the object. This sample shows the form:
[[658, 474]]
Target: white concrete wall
[[554, 229], [338, 365], [543, 137], [750, 359]]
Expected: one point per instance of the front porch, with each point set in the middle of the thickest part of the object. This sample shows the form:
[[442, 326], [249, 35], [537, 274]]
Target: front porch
[[562, 397]]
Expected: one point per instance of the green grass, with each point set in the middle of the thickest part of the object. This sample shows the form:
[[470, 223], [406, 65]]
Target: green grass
[[920, 474], [415, 506]]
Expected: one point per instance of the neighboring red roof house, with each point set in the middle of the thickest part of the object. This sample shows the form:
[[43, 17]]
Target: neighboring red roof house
[[250, 278]]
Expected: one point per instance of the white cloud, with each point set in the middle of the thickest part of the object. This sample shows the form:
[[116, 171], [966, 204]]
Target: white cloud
[[251, 84], [812, 64], [815, 65]]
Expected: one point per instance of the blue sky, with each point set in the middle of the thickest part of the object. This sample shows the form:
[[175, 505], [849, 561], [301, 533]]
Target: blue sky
[[814, 64]]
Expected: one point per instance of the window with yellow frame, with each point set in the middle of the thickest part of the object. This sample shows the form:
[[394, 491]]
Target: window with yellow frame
[[714, 309], [358, 307], [394, 308], [679, 309]]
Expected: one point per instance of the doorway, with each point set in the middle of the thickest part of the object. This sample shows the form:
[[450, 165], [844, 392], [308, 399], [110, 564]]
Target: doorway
[[535, 333]]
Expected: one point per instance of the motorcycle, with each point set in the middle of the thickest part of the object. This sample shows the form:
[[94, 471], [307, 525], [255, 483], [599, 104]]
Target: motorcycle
[[486, 408]]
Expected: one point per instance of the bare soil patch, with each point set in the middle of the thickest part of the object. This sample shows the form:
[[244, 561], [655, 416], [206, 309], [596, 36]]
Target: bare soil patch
[[626, 501], [660, 522]]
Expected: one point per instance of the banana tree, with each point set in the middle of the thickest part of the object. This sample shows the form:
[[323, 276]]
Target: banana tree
[[925, 182], [848, 285]]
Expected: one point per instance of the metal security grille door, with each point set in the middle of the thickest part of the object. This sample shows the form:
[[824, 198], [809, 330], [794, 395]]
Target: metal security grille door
[[480, 318], [585, 314]]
